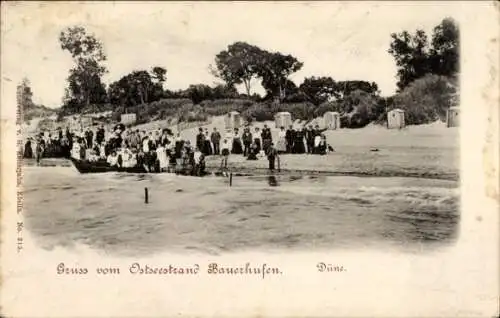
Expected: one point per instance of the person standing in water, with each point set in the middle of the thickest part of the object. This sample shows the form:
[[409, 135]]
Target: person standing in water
[[271, 156], [39, 148], [309, 135], [198, 162]]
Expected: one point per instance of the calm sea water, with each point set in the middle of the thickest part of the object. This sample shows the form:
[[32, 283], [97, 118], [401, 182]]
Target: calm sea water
[[107, 211]]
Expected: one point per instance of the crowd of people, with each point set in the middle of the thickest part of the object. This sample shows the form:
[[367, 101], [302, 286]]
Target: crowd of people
[[162, 150], [56, 144], [311, 140]]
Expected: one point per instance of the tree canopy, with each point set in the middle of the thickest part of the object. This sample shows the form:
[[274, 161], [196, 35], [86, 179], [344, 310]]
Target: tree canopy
[[138, 87], [425, 64], [242, 63], [85, 86], [238, 64], [416, 57]]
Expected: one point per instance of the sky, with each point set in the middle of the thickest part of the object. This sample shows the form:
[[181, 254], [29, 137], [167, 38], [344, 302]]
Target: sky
[[347, 41]]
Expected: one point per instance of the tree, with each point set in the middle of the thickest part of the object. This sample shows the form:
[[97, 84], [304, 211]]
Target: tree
[[415, 57], [238, 64], [200, 92], [319, 89], [132, 89], [275, 68], [24, 95], [223, 91], [427, 99], [159, 77], [85, 86], [138, 87], [411, 53], [159, 74], [345, 88], [359, 109], [445, 48]]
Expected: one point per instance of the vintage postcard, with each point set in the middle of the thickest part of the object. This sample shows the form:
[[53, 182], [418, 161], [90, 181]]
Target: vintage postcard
[[249, 159]]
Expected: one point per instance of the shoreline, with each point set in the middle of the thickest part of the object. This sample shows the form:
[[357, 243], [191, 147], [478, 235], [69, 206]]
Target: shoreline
[[249, 172], [258, 168]]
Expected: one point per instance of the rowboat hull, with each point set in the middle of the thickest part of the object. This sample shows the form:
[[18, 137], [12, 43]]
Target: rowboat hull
[[101, 167]]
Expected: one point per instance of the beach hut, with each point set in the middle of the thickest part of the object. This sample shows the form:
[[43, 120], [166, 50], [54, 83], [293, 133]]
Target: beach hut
[[452, 117], [332, 120], [86, 121], [283, 119], [232, 120], [396, 119], [128, 119]]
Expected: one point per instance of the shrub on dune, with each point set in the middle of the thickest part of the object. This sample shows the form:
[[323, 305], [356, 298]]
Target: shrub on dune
[[427, 99]]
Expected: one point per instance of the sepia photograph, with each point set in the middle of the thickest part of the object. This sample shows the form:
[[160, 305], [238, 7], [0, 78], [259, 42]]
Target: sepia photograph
[[262, 151], [214, 129]]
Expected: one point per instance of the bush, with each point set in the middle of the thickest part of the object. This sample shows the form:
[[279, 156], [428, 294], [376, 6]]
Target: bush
[[298, 97], [258, 112], [266, 111], [161, 109], [97, 108], [46, 124], [32, 111], [303, 111], [223, 106], [193, 116], [427, 99], [359, 108], [326, 107]]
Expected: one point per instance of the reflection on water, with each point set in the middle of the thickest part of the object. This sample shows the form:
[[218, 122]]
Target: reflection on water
[[272, 181], [107, 211]]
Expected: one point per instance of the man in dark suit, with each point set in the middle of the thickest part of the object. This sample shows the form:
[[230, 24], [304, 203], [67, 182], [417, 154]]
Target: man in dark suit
[[309, 134], [200, 139], [267, 138], [290, 137], [215, 137]]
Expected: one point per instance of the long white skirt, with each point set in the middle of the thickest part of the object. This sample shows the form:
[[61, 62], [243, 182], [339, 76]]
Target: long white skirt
[[162, 157], [281, 144]]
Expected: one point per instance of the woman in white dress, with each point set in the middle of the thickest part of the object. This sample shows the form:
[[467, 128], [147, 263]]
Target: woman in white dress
[[161, 154], [128, 158], [75, 151], [102, 151], [281, 145]]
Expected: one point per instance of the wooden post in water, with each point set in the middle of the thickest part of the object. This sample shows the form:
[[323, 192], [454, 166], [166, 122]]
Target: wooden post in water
[[230, 179], [146, 198]]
